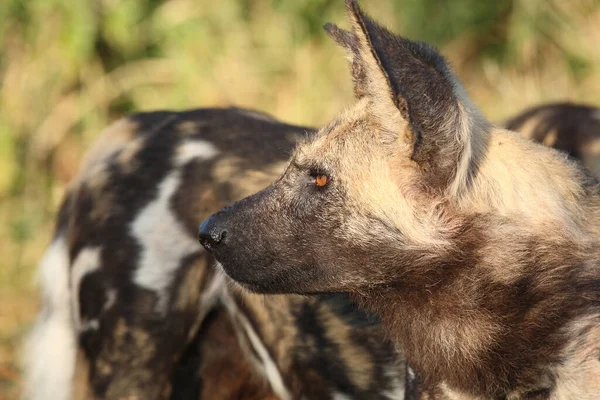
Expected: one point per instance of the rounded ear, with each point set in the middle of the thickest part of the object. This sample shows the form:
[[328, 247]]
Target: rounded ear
[[412, 91]]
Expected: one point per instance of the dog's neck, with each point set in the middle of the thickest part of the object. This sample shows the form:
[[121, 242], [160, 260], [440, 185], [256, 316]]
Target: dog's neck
[[495, 318]]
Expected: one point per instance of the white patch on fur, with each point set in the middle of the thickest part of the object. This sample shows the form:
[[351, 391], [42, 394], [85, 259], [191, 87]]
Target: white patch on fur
[[208, 299], [91, 325], [471, 133], [87, 261], [212, 294], [164, 242], [51, 347], [111, 299], [163, 239], [578, 375], [451, 394], [527, 128], [398, 386], [256, 114], [550, 138], [270, 368], [341, 396], [266, 363], [411, 373], [463, 138], [195, 149]]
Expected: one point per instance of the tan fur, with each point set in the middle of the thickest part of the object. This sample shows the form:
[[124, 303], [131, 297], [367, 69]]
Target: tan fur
[[569, 127], [355, 358], [189, 294], [113, 139], [593, 149], [273, 324], [243, 180], [527, 129], [188, 127], [578, 376], [550, 140], [536, 188], [517, 176], [527, 188], [379, 195], [226, 370], [81, 389], [120, 138], [476, 247]]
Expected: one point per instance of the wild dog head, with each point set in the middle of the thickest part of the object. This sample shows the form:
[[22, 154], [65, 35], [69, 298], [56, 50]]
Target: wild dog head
[[371, 189]]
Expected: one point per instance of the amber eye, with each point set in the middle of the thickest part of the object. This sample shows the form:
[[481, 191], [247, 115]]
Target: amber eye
[[321, 180]]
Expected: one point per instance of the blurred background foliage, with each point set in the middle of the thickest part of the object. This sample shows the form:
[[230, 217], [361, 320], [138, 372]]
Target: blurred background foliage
[[69, 68]]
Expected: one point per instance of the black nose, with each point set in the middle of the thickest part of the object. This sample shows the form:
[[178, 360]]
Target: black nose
[[211, 233]]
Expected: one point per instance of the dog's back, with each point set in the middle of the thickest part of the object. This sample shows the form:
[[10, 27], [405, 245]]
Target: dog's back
[[132, 306]]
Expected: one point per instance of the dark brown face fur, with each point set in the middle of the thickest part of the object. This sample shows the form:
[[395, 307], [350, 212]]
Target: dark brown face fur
[[289, 237]]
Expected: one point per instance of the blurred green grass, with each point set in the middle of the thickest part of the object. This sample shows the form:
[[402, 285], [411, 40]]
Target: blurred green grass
[[69, 68]]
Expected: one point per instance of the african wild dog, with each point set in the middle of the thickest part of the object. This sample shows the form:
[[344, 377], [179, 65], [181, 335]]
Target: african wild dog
[[132, 308], [476, 247], [574, 128]]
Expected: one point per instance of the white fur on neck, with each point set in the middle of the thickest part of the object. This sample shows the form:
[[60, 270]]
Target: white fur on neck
[[51, 347]]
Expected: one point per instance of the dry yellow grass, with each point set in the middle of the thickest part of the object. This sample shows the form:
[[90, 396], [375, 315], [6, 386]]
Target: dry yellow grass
[[59, 87]]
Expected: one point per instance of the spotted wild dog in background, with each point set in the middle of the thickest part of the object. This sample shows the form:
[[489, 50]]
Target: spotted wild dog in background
[[574, 128], [477, 248], [132, 307]]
